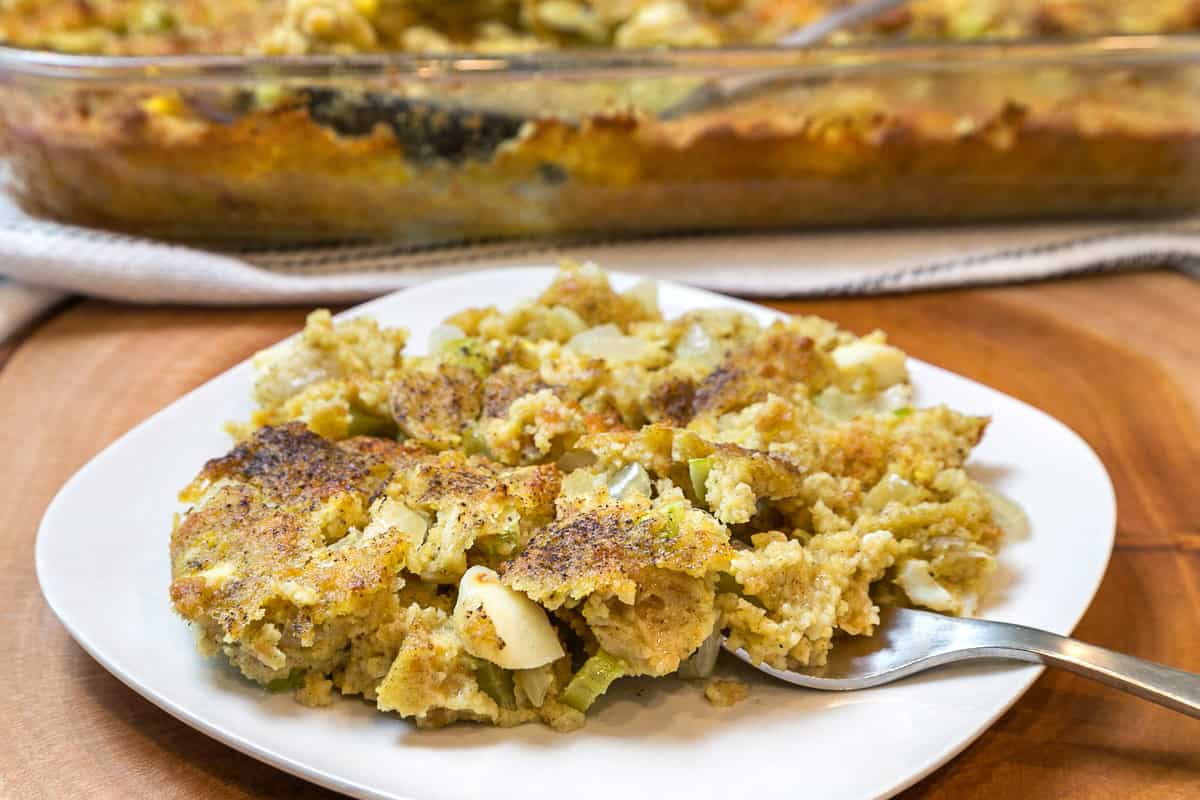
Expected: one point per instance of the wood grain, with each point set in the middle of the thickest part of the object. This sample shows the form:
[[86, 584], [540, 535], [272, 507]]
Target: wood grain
[[1117, 358]]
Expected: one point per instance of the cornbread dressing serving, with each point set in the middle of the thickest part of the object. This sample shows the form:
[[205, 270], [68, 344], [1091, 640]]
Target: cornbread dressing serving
[[432, 154], [566, 493]]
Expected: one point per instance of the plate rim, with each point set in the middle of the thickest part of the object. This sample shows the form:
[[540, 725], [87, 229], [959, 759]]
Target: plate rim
[[337, 783]]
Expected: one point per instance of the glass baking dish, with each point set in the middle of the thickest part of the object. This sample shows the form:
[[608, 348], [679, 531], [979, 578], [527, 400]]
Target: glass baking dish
[[429, 149]]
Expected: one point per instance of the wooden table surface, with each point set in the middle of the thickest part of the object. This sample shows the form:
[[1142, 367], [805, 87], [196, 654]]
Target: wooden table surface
[[1117, 358]]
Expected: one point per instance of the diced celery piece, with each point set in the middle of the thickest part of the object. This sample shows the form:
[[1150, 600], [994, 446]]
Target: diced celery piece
[[727, 584], [473, 444], [154, 18], [497, 683], [467, 353], [701, 663], [504, 541], [364, 423], [698, 469], [270, 95], [293, 681], [443, 335], [672, 517], [593, 680]]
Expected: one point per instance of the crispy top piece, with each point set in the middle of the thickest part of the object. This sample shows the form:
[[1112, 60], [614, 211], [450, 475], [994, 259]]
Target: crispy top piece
[[777, 361], [291, 462], [453, 478], [436, 405], [354, 348], [276, 525], [671, 617], [586, 291], [507, 384], [918, 445], [529, 321], [449, 502], [598, 544]]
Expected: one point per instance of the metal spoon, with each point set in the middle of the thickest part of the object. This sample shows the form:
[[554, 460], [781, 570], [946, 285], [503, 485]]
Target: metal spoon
[[908, 641]]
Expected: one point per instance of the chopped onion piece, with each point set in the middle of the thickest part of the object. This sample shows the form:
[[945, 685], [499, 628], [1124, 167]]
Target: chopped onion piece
[[630, 479], [387, 513], [535, 683], [701, 663], [914, 578], [1011, 518], [894, 398], [607, 342], [443, 335], [841, 405], [501, 625], [882, 363], [645, 292], [473, 443], [695, 343], [892, 488]]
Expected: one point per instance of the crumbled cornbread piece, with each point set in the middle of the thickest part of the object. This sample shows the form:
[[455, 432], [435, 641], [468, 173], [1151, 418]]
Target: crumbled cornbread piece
[[725, 693]]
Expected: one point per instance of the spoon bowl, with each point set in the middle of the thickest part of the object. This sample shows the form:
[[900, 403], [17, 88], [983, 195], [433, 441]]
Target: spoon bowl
[[908, 641]]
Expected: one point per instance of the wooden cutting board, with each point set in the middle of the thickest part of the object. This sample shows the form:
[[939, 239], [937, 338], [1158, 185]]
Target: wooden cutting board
[[1117, 358]]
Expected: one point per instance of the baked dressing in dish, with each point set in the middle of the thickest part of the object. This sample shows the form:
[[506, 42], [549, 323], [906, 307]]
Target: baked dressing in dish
[[302, 27], [555, 125], [567, 493]]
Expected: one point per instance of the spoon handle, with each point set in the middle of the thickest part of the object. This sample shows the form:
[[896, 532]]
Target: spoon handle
[[724, 91], [1173, 688]]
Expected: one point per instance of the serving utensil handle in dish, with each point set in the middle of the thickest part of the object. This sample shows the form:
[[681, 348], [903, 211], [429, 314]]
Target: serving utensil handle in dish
[[740, 87], [844, 17], [1167, 686]]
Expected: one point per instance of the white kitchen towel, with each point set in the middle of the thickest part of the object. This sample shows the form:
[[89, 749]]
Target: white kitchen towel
[[59, 259], [21, 304]]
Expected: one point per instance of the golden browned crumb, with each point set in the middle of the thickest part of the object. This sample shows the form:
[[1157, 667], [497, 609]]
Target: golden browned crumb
[[779, 361], [725, 693], [435, 406], [585, 290], [599, 544], [455, 503], [269, 562]]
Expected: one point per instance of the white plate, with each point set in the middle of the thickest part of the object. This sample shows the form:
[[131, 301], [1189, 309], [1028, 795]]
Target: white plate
[[102, 563]]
